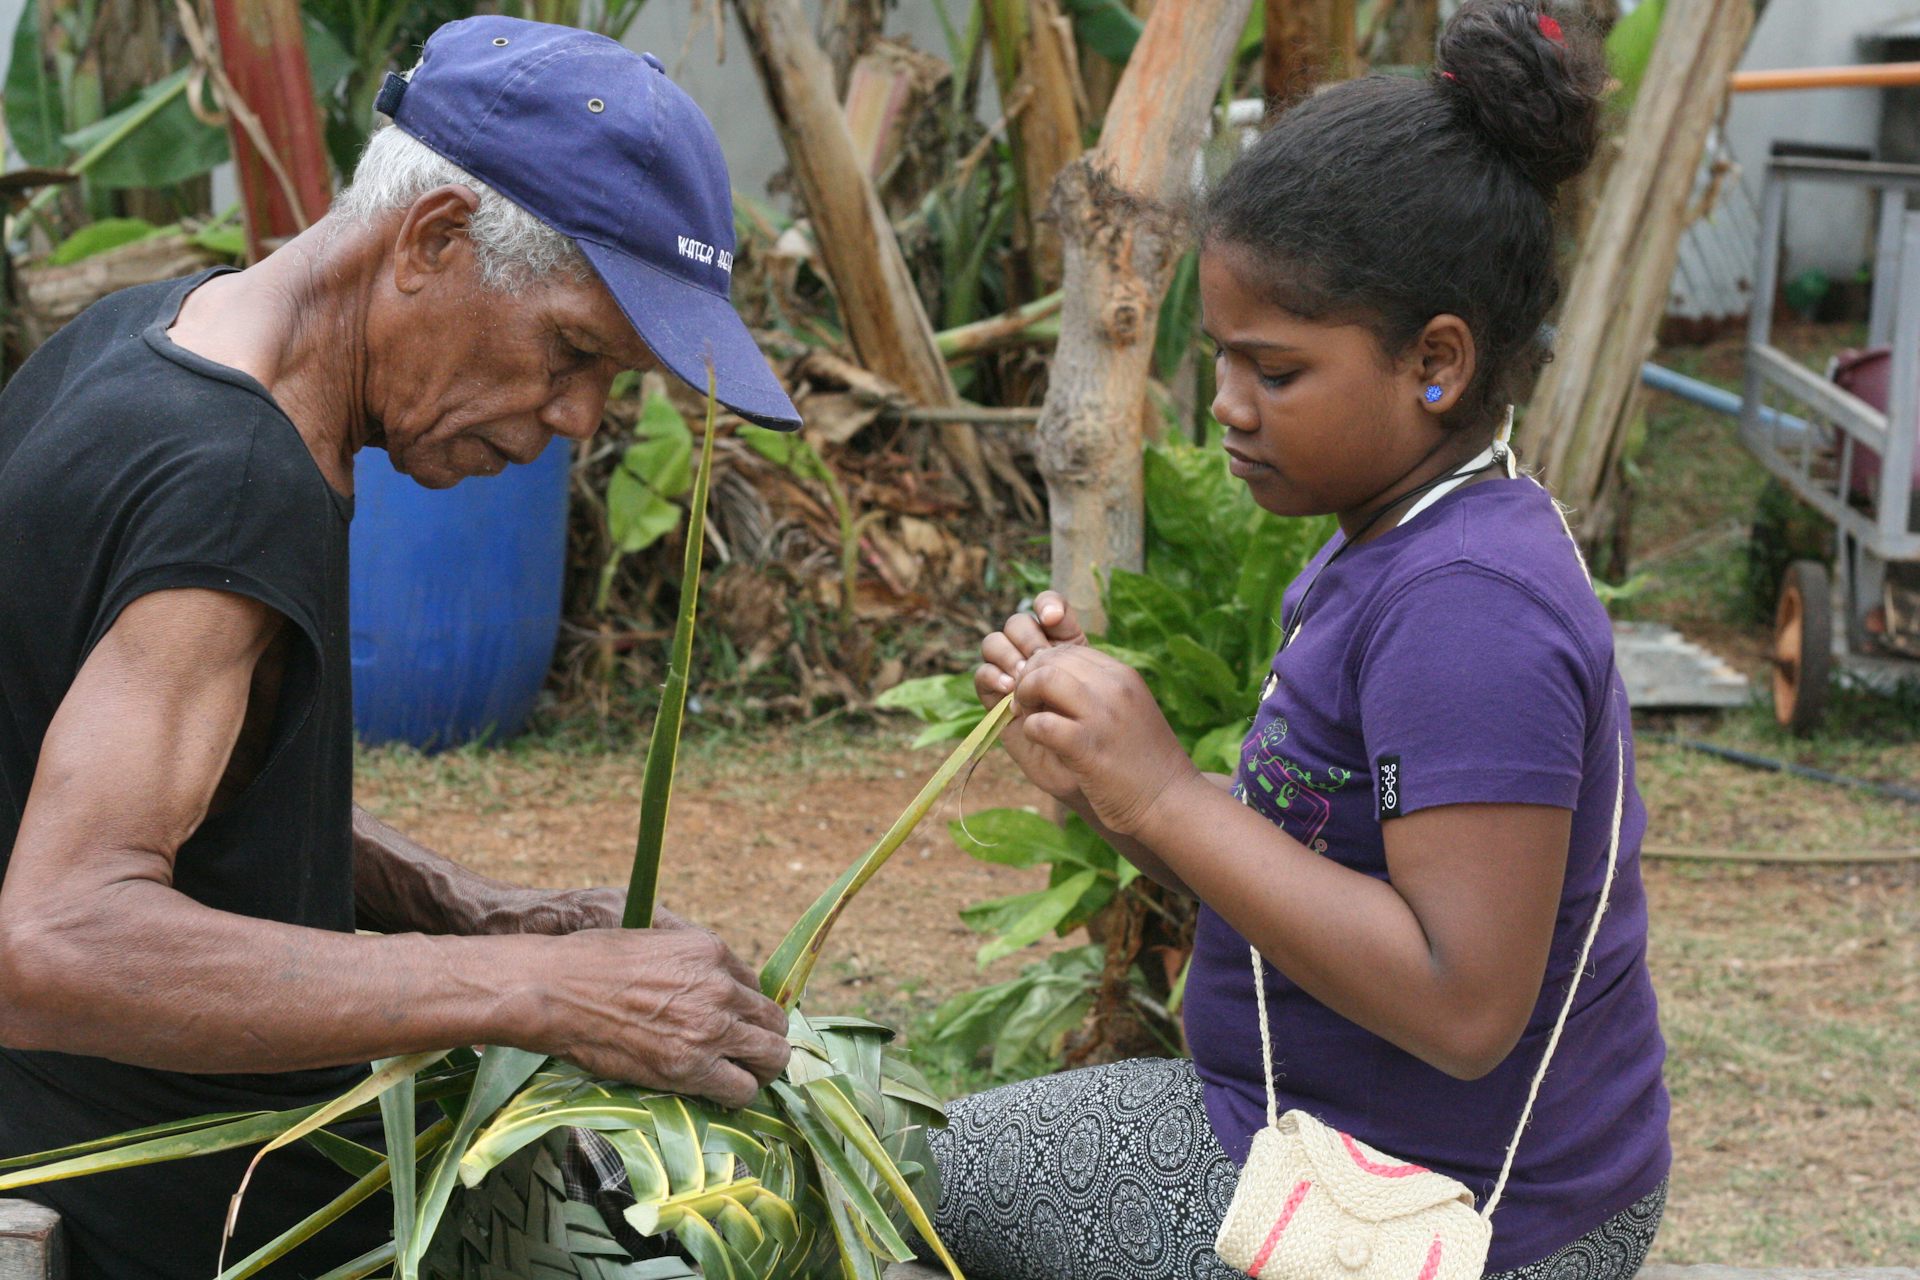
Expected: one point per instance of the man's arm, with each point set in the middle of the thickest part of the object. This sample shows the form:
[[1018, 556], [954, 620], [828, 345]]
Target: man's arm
[[401, 886], [100, 955]]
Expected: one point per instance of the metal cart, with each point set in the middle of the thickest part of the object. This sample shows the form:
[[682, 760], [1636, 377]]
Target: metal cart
[[1850, 460]]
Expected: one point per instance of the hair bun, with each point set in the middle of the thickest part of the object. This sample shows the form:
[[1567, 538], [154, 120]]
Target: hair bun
[[1527, 81]]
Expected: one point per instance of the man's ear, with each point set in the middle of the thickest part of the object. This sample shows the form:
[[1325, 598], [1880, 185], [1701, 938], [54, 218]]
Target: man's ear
[[433, 236], [1442, 356]]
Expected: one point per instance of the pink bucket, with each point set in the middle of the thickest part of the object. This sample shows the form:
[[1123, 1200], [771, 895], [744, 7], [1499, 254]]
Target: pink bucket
[[1867, 374]]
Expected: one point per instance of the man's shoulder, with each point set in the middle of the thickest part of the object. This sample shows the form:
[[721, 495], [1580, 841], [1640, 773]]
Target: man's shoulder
[[110, 407]]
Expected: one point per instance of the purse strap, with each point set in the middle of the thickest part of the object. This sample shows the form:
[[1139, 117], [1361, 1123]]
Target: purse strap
[[1559, 1025]]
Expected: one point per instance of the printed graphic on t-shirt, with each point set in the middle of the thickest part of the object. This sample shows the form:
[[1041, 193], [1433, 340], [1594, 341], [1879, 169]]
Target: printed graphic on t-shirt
[[1282, 789]]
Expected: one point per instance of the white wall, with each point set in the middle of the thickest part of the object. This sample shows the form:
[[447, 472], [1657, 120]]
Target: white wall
[[1826, 229], [728, 89], [9, 17]]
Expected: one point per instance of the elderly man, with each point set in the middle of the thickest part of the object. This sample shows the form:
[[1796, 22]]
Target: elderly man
[[183, 867]]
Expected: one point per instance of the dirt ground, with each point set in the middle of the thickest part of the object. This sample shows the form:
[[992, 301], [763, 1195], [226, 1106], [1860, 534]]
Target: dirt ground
[[1790, 995], [757, 828]]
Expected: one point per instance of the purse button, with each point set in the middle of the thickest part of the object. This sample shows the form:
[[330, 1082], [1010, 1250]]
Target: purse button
[[1354, 1251]]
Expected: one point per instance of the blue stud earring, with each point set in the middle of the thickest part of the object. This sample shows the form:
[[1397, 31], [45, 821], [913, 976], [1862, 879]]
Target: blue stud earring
[[1434, 393]]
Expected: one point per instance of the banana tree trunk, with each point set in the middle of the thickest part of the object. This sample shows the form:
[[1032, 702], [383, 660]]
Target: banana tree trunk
[[1121, 236], [1039, 79], [1414, 26], [1305, 42], [136, 42], [879, 305], [263, 50], [1577, 419]]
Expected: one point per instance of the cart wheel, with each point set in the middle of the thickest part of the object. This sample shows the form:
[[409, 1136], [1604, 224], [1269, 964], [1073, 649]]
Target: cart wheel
[[1802, 646]]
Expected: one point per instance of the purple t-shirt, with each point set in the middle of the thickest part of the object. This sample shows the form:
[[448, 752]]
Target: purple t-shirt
[[1467, 645]]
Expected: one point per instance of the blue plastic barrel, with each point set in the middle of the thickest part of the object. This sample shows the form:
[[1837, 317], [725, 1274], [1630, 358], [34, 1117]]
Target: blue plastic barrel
[[455, 599]]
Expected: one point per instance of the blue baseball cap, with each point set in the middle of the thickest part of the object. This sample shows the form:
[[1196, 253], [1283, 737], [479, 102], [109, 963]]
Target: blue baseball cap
[[595, 141]]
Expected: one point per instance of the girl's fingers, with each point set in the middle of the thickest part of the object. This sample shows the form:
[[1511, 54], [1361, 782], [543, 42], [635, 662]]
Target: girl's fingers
[[1058, 734], [1056, 616], [1000, 651], [1023, 629], [1052, 686], [990, 684]]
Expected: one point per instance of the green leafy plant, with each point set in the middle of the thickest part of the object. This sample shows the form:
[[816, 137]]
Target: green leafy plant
[[100, 237], [1200, 625], [822, 1174], [153, 141], [351, 45], [222, 236], [1018, 1026], [37, 97], [56, 117], [654, 471], [1630, 49], [1108, 27], [1084, 874]]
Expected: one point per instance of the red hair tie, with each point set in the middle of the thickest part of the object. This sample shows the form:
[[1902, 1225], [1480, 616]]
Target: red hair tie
[[1550, 28], [1449, 75]]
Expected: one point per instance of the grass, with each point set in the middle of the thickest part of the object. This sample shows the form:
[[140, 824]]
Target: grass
[[1792, 1014], [1788, 994]]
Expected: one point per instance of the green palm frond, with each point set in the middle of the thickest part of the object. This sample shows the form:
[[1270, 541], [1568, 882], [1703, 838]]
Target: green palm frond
[[784, 978]]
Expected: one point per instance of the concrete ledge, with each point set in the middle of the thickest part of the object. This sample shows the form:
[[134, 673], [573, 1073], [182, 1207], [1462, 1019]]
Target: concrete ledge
[[31, 1248], [919, 1271], [914, 1271], [1668, 1272], [30, 1243]]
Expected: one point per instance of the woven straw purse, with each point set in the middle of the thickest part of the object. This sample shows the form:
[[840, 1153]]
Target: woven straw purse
[[1315, 1204]]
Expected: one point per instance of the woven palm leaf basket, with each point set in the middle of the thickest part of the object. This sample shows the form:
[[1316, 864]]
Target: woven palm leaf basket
[[779, 1189]]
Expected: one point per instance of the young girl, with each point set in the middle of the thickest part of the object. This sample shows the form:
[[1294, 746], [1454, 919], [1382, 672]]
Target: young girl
[[1417, 837]]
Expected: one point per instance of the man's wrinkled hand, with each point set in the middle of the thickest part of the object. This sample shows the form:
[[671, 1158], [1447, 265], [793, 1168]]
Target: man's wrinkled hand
[[666, 1008]]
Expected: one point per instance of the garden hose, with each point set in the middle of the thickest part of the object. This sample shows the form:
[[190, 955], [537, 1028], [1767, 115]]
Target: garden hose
[[1890, 790]]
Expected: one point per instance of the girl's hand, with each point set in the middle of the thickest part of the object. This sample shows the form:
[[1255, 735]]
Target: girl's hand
[[1091, 717], [1006, 653]]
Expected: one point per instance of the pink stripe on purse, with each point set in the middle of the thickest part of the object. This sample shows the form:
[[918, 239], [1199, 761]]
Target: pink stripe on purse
[[1273, 1236]]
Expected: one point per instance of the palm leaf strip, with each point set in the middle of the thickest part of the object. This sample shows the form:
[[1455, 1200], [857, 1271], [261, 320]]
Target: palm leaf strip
[[784, 977], [663, 748]]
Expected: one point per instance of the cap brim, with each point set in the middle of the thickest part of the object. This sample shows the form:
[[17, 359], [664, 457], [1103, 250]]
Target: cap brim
[[688, 329]]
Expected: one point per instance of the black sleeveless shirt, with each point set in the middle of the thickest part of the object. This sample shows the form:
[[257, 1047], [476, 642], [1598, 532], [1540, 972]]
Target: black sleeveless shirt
[[130, 465]]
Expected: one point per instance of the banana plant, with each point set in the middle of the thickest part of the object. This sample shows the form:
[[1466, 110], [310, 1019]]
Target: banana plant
[[824, 1173]]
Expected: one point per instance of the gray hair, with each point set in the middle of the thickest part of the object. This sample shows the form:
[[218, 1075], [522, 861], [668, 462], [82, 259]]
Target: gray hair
[[511, 247]]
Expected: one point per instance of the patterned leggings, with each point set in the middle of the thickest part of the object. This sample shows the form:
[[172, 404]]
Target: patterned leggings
[[1113, 1173]]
